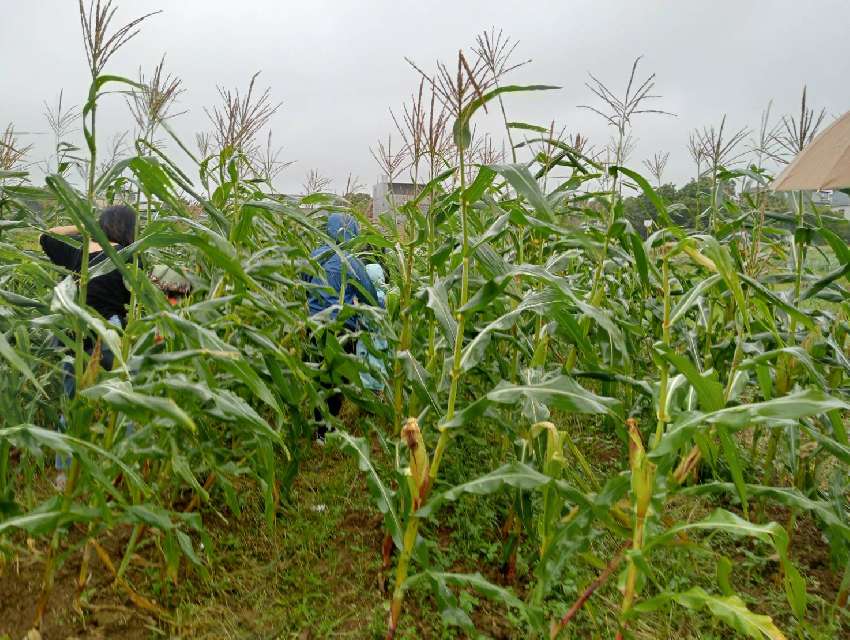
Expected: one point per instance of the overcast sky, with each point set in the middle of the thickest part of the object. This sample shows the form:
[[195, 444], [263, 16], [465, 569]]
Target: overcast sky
[[337, 66]]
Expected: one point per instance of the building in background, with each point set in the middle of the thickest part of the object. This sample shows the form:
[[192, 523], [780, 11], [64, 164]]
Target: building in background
[[387, 195], [838, 201]]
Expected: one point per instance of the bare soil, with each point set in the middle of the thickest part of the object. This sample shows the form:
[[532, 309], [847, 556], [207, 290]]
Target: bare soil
[[99, 612]]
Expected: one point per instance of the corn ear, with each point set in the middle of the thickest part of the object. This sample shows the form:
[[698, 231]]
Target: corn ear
[[643, 471], [419, 481]]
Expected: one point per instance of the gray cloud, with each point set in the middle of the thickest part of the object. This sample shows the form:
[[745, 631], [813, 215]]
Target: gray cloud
[[338, 66]]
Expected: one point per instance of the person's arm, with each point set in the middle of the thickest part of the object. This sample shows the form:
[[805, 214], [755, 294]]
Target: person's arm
[[365, 281], [67, 230], [60, 253], [319, 256], [71, 230]]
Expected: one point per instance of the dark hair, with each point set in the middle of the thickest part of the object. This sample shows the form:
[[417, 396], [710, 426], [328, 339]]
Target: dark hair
[[119, 224]]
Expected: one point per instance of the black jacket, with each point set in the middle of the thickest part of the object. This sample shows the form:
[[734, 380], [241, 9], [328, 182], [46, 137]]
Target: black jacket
[[106, 294]]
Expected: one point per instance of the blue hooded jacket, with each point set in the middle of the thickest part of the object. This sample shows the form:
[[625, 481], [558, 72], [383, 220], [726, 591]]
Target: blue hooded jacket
[[325, 292]]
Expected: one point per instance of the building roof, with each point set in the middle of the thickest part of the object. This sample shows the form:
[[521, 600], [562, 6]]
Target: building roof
[[401, 188], [840, 199]]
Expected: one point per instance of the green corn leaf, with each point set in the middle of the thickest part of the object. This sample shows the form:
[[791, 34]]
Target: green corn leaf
[[120, 396], [229, 406], [482, 181], [174, 357], [64, 300], [537, 302], [23, 435], [798, 353], [651, 194], [219, 251], [202, 338], [490, 292], [419, 378], [560, 392], [520, 178], [687, 301], [188, 549], [726, 268], [94, 93], [729, 609], [777, 410], [461, 130], [150, 515], [515, 475], [21, 301], [13, 358], [724, 573], [791, 498], [816, 287], [496, 229], [840, 451], [475, 581], [383, 497], [837, 244], [432, 186], [49, 515], [641, 259], [774, 300], [492, 264], [13, 175], [439, 304], [467, 415], [708, 388], [528, 127], [736, 465], [181, 467]]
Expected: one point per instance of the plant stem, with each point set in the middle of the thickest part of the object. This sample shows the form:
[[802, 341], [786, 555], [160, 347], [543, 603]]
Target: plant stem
[[50, 562], [557, 627], [409, 541], [664, 367], [715, 192], [799, 257], [131, 547], [460, 317], [413, 521], [406, 337]]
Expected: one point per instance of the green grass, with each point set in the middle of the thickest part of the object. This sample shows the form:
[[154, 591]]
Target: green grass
[[307, 575], [316, 575]]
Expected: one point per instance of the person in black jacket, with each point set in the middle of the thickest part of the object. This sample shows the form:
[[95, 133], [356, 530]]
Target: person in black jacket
[[106, 293]]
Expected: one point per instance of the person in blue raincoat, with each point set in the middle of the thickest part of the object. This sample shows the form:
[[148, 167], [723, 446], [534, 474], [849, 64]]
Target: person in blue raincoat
[[337, 265], [373, 350], [343, 278]]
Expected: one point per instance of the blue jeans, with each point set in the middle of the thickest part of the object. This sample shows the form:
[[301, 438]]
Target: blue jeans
[[69, 386]]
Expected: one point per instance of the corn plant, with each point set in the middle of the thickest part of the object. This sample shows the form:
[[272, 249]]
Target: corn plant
[[528, 311], [678, 327]]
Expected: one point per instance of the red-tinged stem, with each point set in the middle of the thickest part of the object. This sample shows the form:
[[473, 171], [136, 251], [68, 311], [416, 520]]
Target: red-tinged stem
[[601, 579]]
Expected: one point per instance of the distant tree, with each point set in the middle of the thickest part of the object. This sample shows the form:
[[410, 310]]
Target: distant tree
[[359, 201], [638, 209], [695, 195]]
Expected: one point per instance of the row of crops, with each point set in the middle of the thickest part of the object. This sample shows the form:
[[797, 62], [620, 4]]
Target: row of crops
[[523, 308]]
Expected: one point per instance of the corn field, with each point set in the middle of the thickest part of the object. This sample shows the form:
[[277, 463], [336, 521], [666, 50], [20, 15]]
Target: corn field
[[528, 320]]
